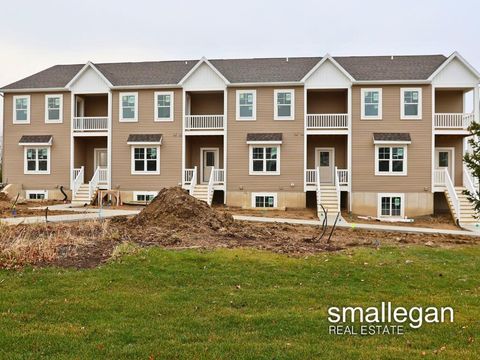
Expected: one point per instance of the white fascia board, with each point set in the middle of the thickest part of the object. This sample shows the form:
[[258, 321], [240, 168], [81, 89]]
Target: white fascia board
[[144, 143], [276, 142], [390, 82], [89, 64], [391, 142], [203, 60], [258, 84], [337, 65], [131, 87], [32, 90], [455, 55]]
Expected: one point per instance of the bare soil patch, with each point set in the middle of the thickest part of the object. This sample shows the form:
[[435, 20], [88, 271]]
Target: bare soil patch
[[23, 208], [307, 214], [176, 220]]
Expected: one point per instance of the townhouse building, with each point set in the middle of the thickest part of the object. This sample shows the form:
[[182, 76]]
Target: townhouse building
[[375, 135]]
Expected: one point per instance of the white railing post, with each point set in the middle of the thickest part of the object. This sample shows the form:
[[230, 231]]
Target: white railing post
[[193, 181], [210, 187], [93, 184], [317, 178], [468, 181], [337, 187], [452, 193], [78, 179]]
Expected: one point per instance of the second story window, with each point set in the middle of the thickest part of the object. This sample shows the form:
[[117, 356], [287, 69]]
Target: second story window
[[246, 104], [21, 109], [371, 104], [284, 104], [164, 106], [128, 107], [53, 108], [411, 103]]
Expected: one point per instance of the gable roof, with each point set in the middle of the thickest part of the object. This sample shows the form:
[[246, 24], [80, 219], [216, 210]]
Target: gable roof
[[242, 71]]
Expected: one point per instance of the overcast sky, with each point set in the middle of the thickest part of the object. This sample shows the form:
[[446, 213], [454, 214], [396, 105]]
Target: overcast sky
[[39, 34]]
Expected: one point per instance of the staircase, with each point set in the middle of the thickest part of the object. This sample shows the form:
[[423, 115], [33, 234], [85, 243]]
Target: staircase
[[201, 193], [328, 198], [82, 196], [467, 211]]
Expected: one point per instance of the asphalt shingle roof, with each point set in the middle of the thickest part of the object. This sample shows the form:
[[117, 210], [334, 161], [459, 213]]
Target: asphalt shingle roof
[[139, 138], [264, 137], [35, 139], [267, 70], [391, 137]]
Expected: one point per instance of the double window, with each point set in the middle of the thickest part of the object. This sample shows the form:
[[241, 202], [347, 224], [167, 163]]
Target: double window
[[53, 108], [264, 200], [164, 106], [128, 107], [390, 205], [144, 196], [284, 104], [390, 160], [264, 160], [411, 103], [146, 160], [36, 194], [37, 160], [371, 104], [21, 109], [246, 104]]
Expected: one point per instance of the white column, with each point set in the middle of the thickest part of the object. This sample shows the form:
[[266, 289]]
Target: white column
[[225, 143], [183, 104], [349, 148], [72, 138], [109, 141], [305, 139], [476, 104]]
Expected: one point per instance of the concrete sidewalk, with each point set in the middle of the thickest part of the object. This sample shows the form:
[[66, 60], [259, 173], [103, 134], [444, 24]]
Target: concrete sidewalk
[[342, 223]]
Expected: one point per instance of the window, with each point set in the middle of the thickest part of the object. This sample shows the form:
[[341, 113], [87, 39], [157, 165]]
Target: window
[[37, 160], [411, 104], [371, 104], [144, 196], [264, 160], [21, 109], [128, 107], [391, 160], [390, 205], [264, 200], [246, 104], [53, 108], [284, 104], [36, 194], [164, 106], [146, 160]]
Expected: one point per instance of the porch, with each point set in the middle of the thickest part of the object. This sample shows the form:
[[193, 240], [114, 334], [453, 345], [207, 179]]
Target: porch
[[90, 166], [90, 114], [454, 109], [204, 161], [204, 110], [327, 109], [327, 162]]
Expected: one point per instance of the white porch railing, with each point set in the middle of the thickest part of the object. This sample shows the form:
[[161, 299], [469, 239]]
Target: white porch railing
[[342, 177], [439, 177], [453, 120], [78, 176], [210, 187], [311, 176], [91, 123], [93, 184], [203, 122], [469, 182], [317, 178], [218, 176], [337, 186], [327, 121], [188, 174], [452, 193], [193, 180]]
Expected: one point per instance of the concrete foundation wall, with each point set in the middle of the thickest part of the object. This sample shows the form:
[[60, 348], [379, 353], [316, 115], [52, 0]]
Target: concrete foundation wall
[[416, 204], [285, 200]]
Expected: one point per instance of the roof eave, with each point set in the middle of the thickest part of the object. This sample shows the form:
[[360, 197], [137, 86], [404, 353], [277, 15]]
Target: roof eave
[[30, 90], [455, 55], [89, 64]]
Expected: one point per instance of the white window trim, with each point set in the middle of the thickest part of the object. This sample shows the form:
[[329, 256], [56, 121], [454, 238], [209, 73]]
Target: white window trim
[[29, 192], [25, 162], [120, 107], [402, 104], [132, 161], [250, 160], [254, 105], [292, 105], [274, 195], [15, 121], [391, 173], [380, 100], [171, 93], [60, 119], [146, 193], [390, 195]]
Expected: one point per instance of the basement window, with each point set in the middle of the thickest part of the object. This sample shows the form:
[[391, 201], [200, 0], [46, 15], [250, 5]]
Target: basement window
[[390, 205], [144, 196], [264, 200], [36, 194]]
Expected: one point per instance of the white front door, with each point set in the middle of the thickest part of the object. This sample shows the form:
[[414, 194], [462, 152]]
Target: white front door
[[208, 161], [444, 158], [325, 159], [101, 158]]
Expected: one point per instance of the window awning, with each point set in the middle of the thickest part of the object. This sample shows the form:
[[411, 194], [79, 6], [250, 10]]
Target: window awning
[[391, 138], [264, 138], [145, 139], [35, 140]]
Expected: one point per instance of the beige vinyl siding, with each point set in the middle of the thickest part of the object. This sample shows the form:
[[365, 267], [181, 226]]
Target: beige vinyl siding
[[13, 155], [449, 101], [291, 163], [419, 174], [338, 142], [170, 150], [453, 141], [327, 102], [206, 103]]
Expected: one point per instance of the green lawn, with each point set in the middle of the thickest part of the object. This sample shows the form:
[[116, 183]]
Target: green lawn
[[230, 304]]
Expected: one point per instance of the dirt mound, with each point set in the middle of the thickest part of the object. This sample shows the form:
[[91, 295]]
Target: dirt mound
[[4, 197], [175, 208]]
